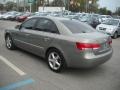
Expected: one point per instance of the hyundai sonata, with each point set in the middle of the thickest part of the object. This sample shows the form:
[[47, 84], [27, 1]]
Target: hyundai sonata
[[63, 42]]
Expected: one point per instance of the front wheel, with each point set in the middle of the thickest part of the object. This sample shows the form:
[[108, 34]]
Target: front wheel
[[9, 42], [115, 35], [55, 60]]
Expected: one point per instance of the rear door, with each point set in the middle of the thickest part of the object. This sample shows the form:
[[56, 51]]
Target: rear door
[[44, 33]]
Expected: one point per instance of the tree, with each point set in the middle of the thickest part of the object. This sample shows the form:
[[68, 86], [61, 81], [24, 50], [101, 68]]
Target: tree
[[10, 6], [93, 7], [104, 11], [58, 3], [117, 11], [1, 7], [84, 5]]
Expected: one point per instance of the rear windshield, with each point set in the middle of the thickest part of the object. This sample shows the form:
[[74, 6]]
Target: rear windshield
[[77, 27]]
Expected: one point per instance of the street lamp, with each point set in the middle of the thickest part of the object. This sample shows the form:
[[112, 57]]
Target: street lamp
[[88, 2]]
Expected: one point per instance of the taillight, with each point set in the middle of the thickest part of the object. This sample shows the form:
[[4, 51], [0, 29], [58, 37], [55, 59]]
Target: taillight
[[83, 46], [110, 41]]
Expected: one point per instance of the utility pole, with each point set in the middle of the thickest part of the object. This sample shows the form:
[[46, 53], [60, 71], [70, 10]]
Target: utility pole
[[17, 5], [48, 2], [86, 6], [68, 1], [30, 7], [24, 5], [43, 5], [36, 5]]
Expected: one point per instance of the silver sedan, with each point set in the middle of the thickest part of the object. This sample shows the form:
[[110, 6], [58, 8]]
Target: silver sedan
[[63, 42], [110, 26]]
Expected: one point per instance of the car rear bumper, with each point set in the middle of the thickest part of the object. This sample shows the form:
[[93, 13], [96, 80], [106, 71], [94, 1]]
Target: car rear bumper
[[89, 61]]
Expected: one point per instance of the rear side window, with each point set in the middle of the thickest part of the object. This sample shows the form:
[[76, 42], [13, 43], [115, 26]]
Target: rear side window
[[77, 27]]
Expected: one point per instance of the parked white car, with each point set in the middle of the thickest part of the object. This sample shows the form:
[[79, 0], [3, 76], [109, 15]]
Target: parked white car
[[8, 15], [104, 18], [110, 26], [0, 16]]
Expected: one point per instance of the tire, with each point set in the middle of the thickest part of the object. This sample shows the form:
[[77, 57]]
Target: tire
[[55, 60], [9, 43], [115, 35]]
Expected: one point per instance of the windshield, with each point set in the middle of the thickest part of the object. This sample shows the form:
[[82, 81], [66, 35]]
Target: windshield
[[111, 22], [77, 27], [84, 18]]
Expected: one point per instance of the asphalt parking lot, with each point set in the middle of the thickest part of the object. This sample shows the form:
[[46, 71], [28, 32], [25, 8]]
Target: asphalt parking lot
[[20, 70]]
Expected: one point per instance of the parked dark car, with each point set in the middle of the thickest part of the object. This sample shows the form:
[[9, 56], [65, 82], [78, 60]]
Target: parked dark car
[[92, 20]]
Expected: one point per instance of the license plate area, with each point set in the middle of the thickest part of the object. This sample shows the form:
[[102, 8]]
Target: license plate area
[[104, 47], [103, 29]]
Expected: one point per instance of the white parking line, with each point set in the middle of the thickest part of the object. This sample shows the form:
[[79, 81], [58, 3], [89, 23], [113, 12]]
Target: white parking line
[[20, 72]]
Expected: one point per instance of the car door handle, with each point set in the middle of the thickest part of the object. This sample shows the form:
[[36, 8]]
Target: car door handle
[[46, 39]]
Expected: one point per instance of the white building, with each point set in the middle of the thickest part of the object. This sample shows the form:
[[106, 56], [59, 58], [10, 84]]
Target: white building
[[51, 9]]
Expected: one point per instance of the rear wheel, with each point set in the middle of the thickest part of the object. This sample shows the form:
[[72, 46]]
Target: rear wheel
[[55, 60], [9, 42], [115, 35]]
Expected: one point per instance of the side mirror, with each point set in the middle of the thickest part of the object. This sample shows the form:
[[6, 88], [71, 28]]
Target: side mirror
[[17, 27]]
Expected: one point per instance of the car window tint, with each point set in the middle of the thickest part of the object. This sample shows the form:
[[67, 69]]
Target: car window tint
[[29, 24], [46, 26], [77, 27]]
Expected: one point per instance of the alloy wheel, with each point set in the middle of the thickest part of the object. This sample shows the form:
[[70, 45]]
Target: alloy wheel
[[8, 42], [54, 60]]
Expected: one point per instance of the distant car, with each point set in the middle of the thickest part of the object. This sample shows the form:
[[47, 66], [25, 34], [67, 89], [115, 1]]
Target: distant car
[[6, 16], [1, 16], [111, 26], [116, 17], [63, 42], [71, 16], [13, 17], [90, 19], [23, 17], [37, 14], [56, 14], [104, 18]]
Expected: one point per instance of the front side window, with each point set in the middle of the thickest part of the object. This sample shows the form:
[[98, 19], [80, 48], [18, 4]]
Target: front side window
[[29, 24], [46, 26]]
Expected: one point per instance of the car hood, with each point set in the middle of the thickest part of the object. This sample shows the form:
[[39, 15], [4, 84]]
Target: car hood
[[107, 26]]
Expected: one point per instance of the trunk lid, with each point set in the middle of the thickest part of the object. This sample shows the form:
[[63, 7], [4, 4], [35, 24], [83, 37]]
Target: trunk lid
[[96, 38]]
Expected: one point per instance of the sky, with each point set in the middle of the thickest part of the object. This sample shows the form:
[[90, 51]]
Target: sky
[[110, 4]]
